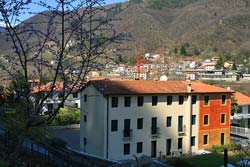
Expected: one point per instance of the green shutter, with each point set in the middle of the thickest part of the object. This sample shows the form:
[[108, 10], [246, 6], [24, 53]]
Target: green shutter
[[223, 100], [206, 100], [205, 139], [222, 138]]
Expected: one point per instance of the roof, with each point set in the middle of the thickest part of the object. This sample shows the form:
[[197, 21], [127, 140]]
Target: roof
[[58, 87], [241, 99], [122, 87], [47, 87]]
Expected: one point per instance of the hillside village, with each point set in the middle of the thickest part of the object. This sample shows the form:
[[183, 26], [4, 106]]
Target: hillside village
[[156, 67]]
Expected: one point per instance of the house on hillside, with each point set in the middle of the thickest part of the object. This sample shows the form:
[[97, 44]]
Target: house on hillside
[[123, 118], [240, 119], [52, 102]]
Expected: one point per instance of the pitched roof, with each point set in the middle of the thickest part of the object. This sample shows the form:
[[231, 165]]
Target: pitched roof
[[116, 87], [58, 87], [47, 87], [241, 99]]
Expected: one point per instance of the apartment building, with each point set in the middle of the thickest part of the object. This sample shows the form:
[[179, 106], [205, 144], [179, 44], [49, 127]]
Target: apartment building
[[123, 118]]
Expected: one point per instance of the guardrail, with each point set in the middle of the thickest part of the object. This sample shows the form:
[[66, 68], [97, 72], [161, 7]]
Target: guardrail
[[244, 132]]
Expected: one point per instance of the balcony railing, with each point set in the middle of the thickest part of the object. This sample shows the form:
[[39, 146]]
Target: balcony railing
[[155, 131], [127, 134], [182, 130], [244, 132]]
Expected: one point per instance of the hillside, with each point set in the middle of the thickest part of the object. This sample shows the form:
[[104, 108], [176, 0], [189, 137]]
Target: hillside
[[207, 25]]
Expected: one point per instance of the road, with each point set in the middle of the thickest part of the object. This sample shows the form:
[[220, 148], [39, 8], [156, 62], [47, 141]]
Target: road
[[71, 136]]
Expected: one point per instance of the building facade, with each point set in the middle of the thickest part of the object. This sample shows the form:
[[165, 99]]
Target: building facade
[[120, 119]]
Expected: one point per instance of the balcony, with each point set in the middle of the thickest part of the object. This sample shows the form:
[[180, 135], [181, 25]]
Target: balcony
[[182, 131], [240, 116], [155, 132], [127, 134], [243, 132]]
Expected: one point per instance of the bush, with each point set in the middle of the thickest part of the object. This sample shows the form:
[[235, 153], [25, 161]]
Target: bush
[[57, 142], [219, 149], [178, 162], [66, 117], [3, 164]]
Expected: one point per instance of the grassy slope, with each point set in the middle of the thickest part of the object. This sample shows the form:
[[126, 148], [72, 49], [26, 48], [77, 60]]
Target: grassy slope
[[212, 160], [205, 160]]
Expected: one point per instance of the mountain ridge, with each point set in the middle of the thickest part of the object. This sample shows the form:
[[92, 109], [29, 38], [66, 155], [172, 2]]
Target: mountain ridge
[[206, 25]]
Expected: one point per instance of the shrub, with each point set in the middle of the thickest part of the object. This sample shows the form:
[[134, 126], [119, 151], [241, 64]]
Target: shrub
[[230, 147], [66, 117], [57, 142]]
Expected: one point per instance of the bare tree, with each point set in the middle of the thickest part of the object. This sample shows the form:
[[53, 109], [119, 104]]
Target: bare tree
[[76, 34]]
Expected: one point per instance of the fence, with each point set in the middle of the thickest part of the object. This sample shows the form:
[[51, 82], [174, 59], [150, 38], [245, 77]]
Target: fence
[[63, 156]]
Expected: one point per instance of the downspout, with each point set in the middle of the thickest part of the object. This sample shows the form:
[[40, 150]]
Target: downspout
[[107, 129], [189, 91]]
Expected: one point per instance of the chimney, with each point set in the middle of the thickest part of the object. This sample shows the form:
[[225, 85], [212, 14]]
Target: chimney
[[189, 87]]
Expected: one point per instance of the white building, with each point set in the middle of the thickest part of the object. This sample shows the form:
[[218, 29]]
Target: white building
[[243, 112], [122, 118], [240, 120]]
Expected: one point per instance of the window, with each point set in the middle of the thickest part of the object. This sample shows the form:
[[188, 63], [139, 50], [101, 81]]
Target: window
[[75, 95], [180, 124], [84, 141], [181, 100], [140, 123], [179, 143], [85, 118], [114, 102], [206, 98], [154, 100], [193, 120], [205, 120], [222, 118], [140, 101], [223, 99], [193, 141], [153, 148], [127, 101], [85, 98], [169, 100], [205, 139], [139, 147], [169, 121], [154, 129], [127, 124], [127, 130], [168, 147], [126, 148], [194, 99], [114, 125], [222, 138]]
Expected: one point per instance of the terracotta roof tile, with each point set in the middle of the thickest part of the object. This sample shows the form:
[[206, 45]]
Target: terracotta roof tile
[[58, 87], [47, 87], [241, 99], [152, 87]]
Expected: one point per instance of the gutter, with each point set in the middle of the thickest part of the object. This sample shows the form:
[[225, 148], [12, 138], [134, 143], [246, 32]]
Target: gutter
[[107, 128]]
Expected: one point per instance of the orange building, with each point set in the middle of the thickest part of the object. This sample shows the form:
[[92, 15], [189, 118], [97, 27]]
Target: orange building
[[214, 124]]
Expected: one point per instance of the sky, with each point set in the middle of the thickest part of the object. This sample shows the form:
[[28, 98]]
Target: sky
[[37, 9]]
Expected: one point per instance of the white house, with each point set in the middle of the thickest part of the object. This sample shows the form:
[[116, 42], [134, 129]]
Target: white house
[[52, 102], [240, 120], [243, 112], [122, 118]]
